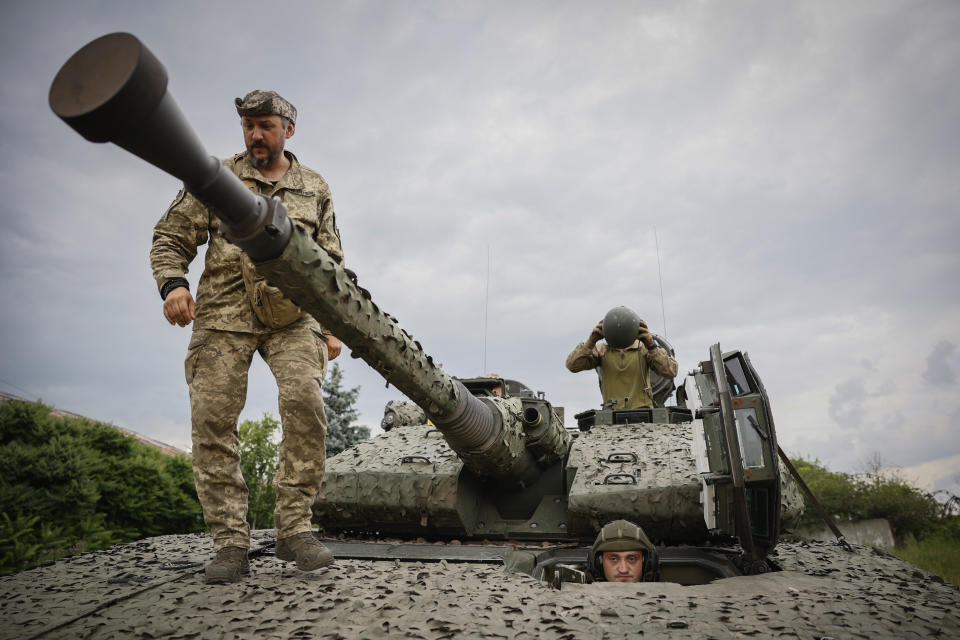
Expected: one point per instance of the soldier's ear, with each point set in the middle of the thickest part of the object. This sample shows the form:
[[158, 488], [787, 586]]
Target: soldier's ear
[[288, 132]]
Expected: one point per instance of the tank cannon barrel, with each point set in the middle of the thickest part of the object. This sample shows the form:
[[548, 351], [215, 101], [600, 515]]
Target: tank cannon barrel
[[487, 440], [115, 90]]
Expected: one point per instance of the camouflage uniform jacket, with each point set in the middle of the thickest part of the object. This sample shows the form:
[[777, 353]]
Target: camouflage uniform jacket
[[222, 300], [624, 376], [584, 357]]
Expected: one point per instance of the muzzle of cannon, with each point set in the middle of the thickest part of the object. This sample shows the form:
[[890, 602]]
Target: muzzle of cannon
[[115, 90]]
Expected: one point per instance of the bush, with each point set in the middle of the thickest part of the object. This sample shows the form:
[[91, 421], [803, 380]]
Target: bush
[[911, 512], [874, 494], [71, 484], [834, 490]]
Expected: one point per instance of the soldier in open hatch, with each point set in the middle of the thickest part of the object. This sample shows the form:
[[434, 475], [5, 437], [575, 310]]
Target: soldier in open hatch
[[624, 361], [624, 553], [237, 313]]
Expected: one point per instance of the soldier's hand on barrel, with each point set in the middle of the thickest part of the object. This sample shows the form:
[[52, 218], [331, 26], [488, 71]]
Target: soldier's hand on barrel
[[596, 335], [179, 308], [645, 337], [333, 346]]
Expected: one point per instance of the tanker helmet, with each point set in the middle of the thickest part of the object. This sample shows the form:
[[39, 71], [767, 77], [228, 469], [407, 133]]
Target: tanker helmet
[[623, 535], [620, 327]]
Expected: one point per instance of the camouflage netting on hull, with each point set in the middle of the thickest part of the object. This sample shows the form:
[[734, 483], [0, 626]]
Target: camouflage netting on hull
[[143, 590], [792, 503], [644, 473], [408, 478]]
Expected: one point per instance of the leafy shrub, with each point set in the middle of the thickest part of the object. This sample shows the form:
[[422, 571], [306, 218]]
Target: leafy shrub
[[70, 484], [874, 494], [834, 490], [911, 512]]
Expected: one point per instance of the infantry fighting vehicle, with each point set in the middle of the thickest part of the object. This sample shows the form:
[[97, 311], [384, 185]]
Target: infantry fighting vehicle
[[689, 476], [488, 466], [498, 468]]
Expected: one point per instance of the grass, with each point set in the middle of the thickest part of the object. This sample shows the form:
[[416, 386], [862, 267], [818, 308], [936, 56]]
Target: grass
[[940, 555]]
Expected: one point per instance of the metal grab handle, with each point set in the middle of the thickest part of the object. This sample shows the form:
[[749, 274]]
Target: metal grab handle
[[623, 457], [408, 459], [619, 478]]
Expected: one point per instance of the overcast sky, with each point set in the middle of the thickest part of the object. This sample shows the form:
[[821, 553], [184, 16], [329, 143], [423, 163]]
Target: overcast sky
[[799, 161]]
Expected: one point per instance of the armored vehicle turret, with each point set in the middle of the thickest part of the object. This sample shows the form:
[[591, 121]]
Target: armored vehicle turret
[[491, 460], [669, 469]]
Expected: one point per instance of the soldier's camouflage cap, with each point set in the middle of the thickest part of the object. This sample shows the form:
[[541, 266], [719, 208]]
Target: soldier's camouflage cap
[[265, 103]]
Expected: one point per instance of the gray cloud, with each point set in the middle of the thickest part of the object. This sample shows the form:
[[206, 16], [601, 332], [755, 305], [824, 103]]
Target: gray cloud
[[887, 387], [940, 363], [799, 161], [846, 404]]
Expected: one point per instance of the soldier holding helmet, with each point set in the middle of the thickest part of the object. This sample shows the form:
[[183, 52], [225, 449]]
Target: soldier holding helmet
[[624, 361]]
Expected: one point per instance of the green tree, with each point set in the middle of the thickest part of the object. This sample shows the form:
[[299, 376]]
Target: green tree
[[259, 454], [836, 491], [339, 404], [876, 493], [883, 493], [70, 484]]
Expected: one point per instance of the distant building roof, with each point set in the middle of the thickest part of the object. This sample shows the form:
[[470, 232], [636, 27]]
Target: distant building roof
[[168, 449]]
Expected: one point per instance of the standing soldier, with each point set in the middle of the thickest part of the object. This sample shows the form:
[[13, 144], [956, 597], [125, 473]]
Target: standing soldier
[[236, 314], [624, 361]]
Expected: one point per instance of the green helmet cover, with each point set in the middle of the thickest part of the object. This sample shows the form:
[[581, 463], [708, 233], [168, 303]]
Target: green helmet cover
[[622, 535], [620, 327]]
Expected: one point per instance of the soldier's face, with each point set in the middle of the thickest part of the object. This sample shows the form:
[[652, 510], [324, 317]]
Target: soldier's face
[[264, 137], [623, 566]]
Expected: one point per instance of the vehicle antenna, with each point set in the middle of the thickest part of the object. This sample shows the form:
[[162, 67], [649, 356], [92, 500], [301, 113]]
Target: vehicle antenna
[[486, 309], [663, 310]]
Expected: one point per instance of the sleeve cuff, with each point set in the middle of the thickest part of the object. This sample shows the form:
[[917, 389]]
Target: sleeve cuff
[[172, 284]]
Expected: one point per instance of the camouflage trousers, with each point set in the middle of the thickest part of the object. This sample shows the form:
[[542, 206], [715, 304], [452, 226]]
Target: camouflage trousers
[[216, 369]]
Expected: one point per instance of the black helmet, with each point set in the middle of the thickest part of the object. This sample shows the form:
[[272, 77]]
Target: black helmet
[[623, 535], [620, 327]]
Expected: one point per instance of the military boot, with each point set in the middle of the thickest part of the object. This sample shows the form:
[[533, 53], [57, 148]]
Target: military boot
[[227, 566], [309, 553]]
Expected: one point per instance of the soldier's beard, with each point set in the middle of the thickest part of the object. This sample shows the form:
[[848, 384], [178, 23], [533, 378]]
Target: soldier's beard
[[265, 161]]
